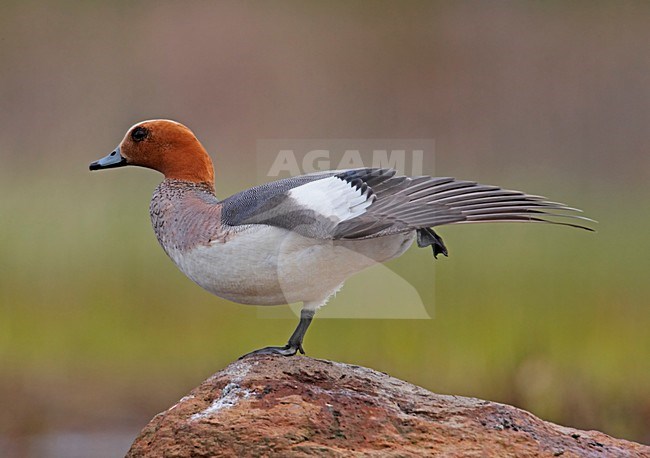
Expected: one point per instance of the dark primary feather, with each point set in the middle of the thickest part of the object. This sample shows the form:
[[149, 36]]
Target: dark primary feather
[[407, 203]]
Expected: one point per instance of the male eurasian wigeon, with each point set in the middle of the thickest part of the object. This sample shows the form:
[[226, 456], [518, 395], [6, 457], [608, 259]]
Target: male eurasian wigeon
[[299, 239]]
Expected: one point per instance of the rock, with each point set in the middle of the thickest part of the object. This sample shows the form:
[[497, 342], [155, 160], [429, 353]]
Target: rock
[[279, 406]]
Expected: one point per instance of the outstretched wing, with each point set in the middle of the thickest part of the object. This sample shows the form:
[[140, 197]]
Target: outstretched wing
[[312, 205], [366, 203], [406, 203]]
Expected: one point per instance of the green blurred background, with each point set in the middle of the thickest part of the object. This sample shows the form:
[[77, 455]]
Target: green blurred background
[[99, 331]]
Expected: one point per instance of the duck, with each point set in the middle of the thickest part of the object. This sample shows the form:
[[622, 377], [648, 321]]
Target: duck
[[299, 239]]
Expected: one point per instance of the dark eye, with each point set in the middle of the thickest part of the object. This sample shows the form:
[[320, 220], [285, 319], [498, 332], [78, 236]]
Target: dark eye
[[139, 134]]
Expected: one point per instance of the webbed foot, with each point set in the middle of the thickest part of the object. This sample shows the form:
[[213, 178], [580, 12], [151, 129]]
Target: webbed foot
[[427, 237], [295, 341], [287, 350]]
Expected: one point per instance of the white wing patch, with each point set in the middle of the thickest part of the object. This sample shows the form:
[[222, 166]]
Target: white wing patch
[[332, 198]]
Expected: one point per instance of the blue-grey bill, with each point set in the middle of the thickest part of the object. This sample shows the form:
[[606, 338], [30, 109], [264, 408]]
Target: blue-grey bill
[[114, 159]]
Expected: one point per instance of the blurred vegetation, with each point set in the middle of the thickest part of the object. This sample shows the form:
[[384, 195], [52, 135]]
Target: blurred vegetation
[[99, 331]]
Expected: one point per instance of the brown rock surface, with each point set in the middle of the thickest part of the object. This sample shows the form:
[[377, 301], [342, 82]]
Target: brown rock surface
[[278, 406]]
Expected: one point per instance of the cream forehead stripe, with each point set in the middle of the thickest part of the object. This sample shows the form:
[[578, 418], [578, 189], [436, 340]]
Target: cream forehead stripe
[[154, 120]]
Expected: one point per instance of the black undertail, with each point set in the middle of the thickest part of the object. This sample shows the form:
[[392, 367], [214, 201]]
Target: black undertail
[[427, 237]]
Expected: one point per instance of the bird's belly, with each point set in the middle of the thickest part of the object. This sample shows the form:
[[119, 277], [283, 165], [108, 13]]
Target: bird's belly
[[265, 265]]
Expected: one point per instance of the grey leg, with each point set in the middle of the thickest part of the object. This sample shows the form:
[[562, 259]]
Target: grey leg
[[295, 341]]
